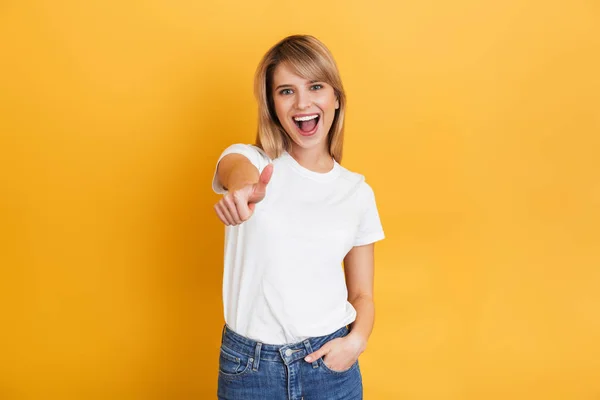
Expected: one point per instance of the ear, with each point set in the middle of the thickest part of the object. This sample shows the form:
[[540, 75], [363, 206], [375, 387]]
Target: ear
[[337, 103]]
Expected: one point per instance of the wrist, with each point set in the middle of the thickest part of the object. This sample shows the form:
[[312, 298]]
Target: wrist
[[359, 340], [239, 185]]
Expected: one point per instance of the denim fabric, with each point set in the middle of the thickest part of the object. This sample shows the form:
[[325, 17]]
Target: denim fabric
[[250, 370]]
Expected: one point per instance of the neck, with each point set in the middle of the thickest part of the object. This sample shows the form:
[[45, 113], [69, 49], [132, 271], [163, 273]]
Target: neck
[[317, 161]]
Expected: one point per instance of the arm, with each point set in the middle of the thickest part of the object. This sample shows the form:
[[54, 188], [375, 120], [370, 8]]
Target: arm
[[341, 353], [359, 271], [235, 171]]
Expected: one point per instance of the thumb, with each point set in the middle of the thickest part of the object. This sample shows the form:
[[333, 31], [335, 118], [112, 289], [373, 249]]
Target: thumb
[[315, 355], [260, 188]]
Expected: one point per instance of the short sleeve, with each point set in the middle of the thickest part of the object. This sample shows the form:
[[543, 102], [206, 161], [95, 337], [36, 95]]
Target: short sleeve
[[257, 157], [370, 229]]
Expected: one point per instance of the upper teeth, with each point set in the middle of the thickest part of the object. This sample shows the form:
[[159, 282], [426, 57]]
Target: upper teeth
[[306, 118]]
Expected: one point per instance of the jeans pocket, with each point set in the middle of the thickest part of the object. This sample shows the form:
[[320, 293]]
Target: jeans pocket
[[233, 364], [327, 369]]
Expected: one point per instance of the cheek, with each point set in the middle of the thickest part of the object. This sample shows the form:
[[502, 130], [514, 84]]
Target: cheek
[[279, 113], [281, 110], [328, 105], [327, 101]]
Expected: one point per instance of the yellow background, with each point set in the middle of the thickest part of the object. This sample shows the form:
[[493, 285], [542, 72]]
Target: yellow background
[[477, 124]]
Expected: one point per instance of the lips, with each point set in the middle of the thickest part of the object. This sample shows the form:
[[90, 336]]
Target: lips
[[307, 124]]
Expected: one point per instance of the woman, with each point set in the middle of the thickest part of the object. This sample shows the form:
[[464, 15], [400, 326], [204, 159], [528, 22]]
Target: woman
[[293, 214]]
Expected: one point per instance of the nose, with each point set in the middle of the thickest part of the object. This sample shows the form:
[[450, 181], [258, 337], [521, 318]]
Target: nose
[[303, 100]]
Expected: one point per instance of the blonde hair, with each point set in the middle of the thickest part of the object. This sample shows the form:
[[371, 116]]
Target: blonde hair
[[310, 59]]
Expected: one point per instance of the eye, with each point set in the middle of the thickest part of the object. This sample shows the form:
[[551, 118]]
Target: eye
[[316, 87], [285, 91]]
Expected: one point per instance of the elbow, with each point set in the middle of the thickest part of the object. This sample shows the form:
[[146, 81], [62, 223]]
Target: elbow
[[361, 297]]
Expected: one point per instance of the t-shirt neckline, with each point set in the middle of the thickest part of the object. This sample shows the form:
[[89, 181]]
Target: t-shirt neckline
[[317, 176]]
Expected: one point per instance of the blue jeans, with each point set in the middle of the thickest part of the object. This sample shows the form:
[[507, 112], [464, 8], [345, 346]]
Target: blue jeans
[[250, 370]]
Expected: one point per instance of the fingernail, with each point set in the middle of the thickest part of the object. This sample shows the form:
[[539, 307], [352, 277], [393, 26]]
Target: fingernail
[[308, 359]]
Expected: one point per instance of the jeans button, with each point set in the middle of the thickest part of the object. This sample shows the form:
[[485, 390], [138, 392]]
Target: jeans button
[[289, 352]]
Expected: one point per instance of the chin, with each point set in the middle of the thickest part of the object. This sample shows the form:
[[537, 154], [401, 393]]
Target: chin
[[308, 142]]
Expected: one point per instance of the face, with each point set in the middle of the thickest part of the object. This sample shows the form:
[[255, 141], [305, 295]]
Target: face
[[305, 109]]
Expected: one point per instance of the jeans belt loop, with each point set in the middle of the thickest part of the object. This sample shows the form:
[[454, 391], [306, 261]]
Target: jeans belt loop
[[309, 349], [256, 356]]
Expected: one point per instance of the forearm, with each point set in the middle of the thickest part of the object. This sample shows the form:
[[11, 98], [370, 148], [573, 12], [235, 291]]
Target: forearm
[[362, 327], [236, 171], [241, 176]]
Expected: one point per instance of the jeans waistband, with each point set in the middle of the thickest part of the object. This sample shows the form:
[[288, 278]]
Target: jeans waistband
[[285, 353]]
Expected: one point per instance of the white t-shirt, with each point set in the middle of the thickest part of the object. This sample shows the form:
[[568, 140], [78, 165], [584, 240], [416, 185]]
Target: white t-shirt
[[283, 279]]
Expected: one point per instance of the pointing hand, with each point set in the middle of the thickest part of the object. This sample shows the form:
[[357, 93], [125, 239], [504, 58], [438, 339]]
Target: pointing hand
[[238, 205]]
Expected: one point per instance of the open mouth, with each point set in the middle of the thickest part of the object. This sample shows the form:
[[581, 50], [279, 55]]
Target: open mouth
[[307, 125]]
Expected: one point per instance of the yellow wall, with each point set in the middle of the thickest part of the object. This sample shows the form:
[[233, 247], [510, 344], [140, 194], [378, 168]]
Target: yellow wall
[[477, 124]]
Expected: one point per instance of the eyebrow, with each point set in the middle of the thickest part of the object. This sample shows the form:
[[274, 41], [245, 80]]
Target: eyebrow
[[288, 85]]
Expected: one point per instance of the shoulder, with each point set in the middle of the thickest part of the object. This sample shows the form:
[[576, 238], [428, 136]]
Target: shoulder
[[255, 154], [363, 189], [246, 149], [356, 178], [351, 176]]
